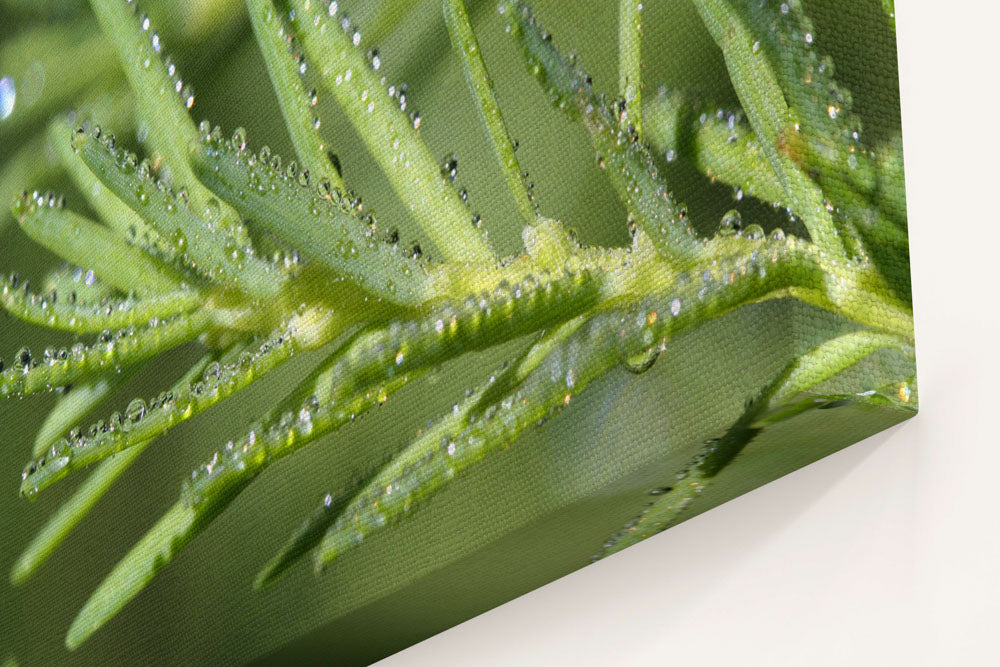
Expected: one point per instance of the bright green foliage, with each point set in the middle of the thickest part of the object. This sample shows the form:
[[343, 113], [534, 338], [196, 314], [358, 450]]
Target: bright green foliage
[[321, 221], [379, 115], [297, 104], [99, 481], [206, 246], [258, 260], [628, 164], [463, 40], [721, 144], [77, 240], [110, 313]]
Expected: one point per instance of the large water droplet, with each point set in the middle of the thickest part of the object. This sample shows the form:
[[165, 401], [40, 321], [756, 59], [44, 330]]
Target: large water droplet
[[731, 223], [212, 372], [641, 363], [135, 411], [7, 97], [240, 139]]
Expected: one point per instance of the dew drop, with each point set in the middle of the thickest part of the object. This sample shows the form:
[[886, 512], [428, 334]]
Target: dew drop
[[135, 411], [212, 372], [731, 223], [212, 210], [450, 168], [325, 188], [240, 139], [8, 94], [641, 363], [904, 392]]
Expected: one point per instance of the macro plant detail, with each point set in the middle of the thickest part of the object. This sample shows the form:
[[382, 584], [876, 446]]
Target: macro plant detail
[[210, 240]]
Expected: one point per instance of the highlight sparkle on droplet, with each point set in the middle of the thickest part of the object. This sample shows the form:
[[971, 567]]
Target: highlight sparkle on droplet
[[7, 96]]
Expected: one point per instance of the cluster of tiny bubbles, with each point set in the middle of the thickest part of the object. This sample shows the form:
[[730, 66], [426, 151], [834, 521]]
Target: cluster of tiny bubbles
[[325, 196], [27, 204], [301, 66], [130, 164], [374, 60], [185, 92], [564, 91], [26, 300], [60, 360], [398, 93], [232, 463], [644, 188], [217, 380]]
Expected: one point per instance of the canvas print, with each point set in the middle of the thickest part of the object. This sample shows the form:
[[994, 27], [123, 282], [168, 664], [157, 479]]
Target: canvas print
[[329, 325]]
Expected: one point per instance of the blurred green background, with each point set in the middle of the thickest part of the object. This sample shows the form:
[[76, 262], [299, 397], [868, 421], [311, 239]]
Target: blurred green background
[[524, 517]]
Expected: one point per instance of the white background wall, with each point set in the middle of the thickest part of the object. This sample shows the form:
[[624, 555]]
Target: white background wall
[[887, 553]]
